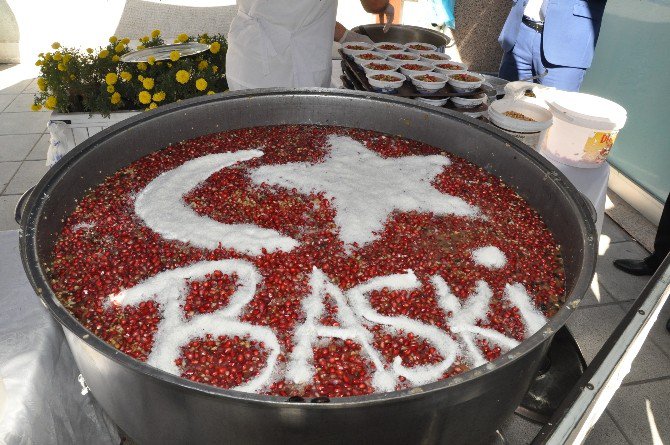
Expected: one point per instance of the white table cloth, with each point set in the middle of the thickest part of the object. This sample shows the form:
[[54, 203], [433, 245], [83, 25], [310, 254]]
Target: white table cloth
[[41, 400]]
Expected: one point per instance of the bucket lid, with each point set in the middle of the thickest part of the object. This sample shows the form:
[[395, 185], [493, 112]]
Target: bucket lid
[[589, 107]]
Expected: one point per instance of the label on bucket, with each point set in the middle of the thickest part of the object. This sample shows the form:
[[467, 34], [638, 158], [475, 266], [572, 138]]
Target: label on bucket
[[598, 146]]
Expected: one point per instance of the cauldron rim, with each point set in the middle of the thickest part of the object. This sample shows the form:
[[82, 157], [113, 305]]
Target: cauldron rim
[[39, 281]]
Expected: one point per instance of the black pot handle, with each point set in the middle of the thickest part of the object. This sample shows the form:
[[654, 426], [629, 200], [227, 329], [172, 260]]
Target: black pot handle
[[590, 206], [21, 205]]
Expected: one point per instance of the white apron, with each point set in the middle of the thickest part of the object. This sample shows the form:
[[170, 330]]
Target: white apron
[[281, 43]]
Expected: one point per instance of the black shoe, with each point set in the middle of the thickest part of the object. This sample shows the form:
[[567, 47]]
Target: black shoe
[[635, 267]]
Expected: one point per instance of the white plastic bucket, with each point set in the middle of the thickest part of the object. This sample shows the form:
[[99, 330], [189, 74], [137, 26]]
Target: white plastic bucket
[[530, 133], [585, 128]]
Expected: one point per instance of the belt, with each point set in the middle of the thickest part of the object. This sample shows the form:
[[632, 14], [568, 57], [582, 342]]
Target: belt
[[537, 26]]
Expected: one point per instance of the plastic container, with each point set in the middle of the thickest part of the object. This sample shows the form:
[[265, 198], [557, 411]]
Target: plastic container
[[420, 47], [518, 91], [585, 128], [461, 67], [528, 132], [367, 56], [386, 86], [463, 86], [352, 48], [428, 87], [406, 67], [371, 70], [397, 47]]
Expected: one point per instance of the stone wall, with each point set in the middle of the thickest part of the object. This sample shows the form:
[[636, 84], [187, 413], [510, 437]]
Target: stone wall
[[478, 24], [9, 35]]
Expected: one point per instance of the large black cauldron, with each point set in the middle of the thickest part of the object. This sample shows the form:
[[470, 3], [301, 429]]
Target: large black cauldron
[[154, 407]]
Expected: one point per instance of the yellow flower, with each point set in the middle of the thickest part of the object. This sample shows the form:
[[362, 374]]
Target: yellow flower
[[125, 75], [142, 66], [140, 78], [61, 67], [72, 77], [36, 107], [55, 45], [182, 37], [115, 99], [67, 58], [145, 97], [153, 105], [144, 39], [202, 65], [182, 76], [41, 84], [151, 60], [125, 40], [111, 78], [47, 56], [39, 63], [58, 56], [202, 40], [115, 58], [113, 39], [155, 33], [89, 50], [215, 47], [210, 92], [40, 55], [159, 96], [119, 48], [110, 88], [140, 47], [103, 54], [201, 84], [148, 83], [215, 68], [51, 103], [174, 56]]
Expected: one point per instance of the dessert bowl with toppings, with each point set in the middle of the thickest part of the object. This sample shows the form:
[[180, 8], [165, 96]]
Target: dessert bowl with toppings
[[101, 210], [466, 82], [376, 67], [415, 67], [403, 57], [368, 56], [434, 56], [429, 82], [469, 102], [389, 47], [355, 48], [386, 82], [450, 67], [419, 47]]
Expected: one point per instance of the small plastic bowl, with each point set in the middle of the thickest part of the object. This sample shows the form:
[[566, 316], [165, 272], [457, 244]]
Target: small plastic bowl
[[465, 86], [369, 56], [419, 47], [373, 70], [354, 48], [434, 57], [415, 67], [386, 86], [448, 71], [402, 57], [469, 102], [424, 86], [396, 47], [433, 102]]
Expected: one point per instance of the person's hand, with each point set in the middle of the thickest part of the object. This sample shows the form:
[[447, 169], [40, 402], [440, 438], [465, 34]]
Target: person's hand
[[387, 16], [350, 36]]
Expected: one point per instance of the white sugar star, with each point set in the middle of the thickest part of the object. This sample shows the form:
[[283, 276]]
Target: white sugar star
[[366, 188]]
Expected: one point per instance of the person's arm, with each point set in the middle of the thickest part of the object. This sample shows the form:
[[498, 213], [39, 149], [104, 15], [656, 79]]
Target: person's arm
[[343, 35], [383, 8]]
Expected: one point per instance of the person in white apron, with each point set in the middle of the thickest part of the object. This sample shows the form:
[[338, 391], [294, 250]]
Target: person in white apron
[[285, 43]]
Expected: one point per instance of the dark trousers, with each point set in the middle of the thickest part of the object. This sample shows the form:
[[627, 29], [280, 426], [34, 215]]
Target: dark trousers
[[662, 241]]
